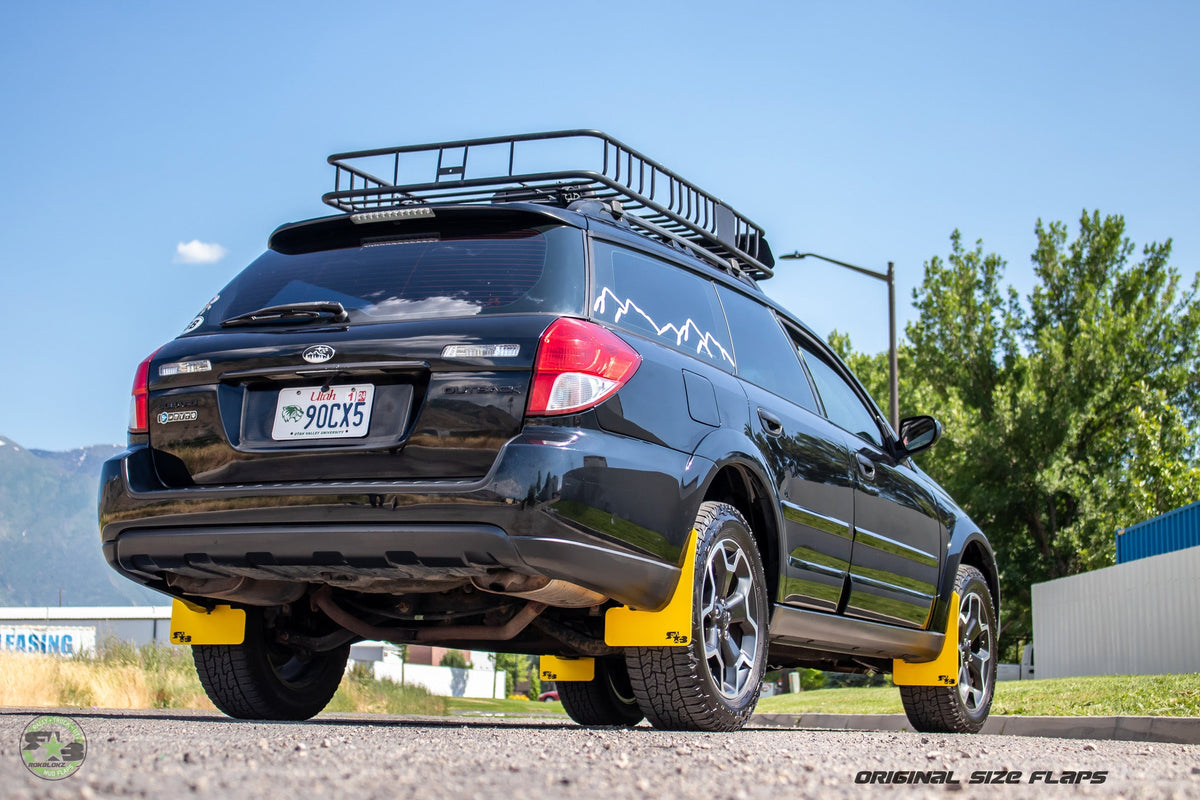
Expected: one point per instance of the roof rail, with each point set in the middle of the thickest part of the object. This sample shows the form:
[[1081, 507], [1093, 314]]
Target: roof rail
[[652, 198]]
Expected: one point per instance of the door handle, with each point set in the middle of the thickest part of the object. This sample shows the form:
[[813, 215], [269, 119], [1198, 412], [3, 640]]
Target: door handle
[[772, 425], [866, 466]]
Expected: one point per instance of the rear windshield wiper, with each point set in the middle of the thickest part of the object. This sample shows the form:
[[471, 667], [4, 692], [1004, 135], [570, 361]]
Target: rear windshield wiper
[[290, 312]]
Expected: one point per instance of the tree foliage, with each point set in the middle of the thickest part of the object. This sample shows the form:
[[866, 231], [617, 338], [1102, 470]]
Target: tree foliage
[[518, 668], [456, 659], [1069, 413]]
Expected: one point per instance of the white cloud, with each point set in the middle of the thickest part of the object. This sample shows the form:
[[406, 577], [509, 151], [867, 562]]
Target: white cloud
[[198, 252]]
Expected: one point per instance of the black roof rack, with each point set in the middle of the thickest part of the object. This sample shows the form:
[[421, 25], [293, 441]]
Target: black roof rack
[[651, 197]]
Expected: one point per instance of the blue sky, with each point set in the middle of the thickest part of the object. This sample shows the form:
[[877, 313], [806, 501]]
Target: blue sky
[[866, 132]]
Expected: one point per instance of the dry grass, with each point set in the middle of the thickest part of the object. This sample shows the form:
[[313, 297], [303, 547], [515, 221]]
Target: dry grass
[[117, 676], [120, 675]]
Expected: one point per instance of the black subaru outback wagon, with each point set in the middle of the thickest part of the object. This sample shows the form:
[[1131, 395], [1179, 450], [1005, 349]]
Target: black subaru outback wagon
[[547, 411]]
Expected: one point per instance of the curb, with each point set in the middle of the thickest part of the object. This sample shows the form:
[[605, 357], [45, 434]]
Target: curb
[[1177, 730]]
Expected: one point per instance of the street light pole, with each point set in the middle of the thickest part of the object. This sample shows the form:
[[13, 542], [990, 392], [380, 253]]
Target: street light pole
[[893, 355], [889, 278]]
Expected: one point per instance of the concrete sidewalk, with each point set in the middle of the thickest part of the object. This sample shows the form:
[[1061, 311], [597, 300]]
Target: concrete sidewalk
[[1180, 730]]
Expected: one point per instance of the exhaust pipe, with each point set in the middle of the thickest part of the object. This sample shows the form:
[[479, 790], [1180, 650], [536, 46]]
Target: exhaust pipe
[[323, 599], [560, 594], [247, 591]]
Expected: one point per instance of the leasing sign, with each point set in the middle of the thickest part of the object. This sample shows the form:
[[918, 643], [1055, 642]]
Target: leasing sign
[[50, 639]]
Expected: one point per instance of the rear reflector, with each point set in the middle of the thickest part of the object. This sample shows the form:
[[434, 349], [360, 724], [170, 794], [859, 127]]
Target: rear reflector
[[579, 365]]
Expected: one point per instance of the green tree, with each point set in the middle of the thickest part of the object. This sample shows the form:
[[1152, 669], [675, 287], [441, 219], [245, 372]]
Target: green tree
[[508, 663], [516, 668], [455, 658], [1068, 414]]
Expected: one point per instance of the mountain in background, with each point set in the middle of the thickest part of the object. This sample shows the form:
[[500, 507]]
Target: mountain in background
[[49, 538]]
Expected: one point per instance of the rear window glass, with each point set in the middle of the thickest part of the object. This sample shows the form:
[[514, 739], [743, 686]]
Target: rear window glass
[[516, 272], [661, 301]]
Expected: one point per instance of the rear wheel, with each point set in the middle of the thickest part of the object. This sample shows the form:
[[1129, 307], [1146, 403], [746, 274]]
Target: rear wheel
[[607, 699], [713, 683], [261, 679], [962, 708]]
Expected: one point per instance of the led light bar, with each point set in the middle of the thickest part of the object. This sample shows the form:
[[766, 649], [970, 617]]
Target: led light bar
[[414, 212]]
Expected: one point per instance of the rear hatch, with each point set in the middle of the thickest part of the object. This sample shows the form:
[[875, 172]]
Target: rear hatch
[[392, 351]]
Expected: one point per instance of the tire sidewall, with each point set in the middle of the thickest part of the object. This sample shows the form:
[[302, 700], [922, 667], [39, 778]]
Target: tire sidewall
[[243, 681], [729, 524], [317, 683]]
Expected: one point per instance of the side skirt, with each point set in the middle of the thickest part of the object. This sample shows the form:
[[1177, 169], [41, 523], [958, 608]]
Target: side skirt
[[838, 634]]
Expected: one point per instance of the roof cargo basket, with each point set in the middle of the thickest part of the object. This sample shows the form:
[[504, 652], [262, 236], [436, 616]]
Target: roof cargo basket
[[530, 167]]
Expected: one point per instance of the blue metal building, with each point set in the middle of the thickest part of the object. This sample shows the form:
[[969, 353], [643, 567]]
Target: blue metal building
[[1165, 533]]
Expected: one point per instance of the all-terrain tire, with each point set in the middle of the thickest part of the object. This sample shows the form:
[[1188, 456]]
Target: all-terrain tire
[[260, 679], [963, 708], [607, 699], [697, 687]]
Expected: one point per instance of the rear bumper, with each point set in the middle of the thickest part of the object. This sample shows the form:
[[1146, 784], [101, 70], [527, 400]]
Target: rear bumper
[[603, 511]]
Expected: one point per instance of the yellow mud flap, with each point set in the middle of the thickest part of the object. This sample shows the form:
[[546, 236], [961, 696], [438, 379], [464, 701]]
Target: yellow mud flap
[[943, 670], [553, 668], [193, 624], [670, 626]]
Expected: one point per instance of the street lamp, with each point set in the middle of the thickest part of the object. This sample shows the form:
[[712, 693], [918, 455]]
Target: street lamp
[[889, 278]]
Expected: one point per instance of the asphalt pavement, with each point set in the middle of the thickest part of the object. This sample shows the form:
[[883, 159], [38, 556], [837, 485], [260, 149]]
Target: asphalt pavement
[[168, 754]]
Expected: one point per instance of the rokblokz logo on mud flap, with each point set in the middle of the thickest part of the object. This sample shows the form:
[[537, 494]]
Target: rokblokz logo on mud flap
[[53, 747]]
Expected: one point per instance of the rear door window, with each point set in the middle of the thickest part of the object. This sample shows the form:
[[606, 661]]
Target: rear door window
[[661, 301], [842, 404], [765, 355], [508, 272]]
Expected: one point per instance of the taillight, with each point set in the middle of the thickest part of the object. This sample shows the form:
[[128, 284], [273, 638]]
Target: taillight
[[579, 364], [139, 414]]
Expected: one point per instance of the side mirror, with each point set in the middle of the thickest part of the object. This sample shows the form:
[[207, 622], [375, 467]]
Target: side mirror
[[918, 433]]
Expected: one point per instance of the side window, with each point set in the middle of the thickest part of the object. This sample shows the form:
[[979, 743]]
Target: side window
[[765, 355], [842, 404], [660, 301]]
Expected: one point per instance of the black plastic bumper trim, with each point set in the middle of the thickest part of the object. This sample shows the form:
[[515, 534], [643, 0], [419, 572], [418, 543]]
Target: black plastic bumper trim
[[375, 547]]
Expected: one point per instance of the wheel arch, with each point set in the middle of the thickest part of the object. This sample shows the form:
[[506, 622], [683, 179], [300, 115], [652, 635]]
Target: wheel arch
[[738, 479], [968, 546], [977, 553]]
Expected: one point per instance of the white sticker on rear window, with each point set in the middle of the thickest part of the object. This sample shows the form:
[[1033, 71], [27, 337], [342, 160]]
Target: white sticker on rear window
[[705, 341]]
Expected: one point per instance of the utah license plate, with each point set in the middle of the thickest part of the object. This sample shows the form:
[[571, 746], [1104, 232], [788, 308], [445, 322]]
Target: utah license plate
[[323, 412]]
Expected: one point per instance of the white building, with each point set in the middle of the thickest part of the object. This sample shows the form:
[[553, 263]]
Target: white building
[[482, 680]]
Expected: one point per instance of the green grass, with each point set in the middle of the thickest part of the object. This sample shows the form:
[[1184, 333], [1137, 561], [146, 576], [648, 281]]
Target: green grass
[[475, 705], [359, 691], [1102, 695], [1097, 696], [870, 700]]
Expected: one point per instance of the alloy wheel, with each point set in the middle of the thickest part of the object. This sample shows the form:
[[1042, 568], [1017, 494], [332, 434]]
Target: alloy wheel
[[975, 653], [728, 618]]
